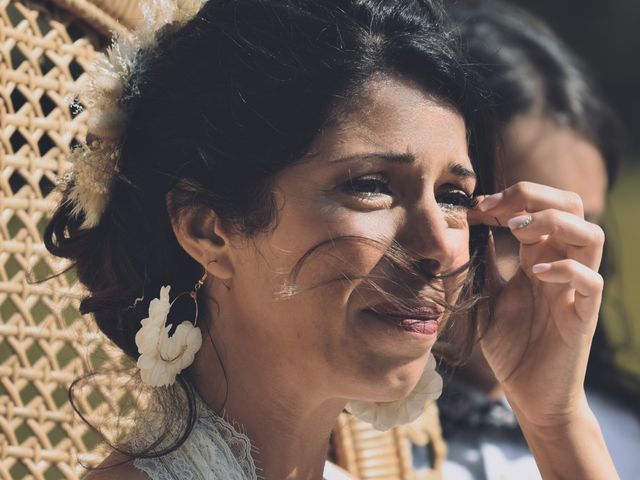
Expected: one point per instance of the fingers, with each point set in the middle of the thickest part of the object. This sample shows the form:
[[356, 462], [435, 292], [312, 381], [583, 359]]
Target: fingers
[[563, 228], [566, 227], [578, 276], [535, 213], [588, 284], [522, 197]]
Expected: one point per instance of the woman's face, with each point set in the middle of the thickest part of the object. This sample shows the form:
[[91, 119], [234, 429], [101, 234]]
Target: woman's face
[[393, 168]]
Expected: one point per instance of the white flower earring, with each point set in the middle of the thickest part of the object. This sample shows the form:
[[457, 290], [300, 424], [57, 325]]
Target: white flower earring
[[385, 415], [162, 356]]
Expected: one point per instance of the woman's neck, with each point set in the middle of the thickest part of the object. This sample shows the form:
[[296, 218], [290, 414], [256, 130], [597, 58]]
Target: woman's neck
[[287, 425]]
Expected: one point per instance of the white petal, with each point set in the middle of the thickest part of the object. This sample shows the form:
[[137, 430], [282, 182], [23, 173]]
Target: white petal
[[159, 375], [159, 307], [146, 362], [148, 337], [385, 415], [163, 357], [193, 342]]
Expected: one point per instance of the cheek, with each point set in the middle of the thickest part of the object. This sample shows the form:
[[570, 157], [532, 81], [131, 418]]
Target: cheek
[[333, 240], [461, 239], [308, 250], [307, 290], [458, 240]]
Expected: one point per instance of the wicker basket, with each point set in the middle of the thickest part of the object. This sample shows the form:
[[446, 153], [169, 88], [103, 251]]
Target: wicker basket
[[45, 46]]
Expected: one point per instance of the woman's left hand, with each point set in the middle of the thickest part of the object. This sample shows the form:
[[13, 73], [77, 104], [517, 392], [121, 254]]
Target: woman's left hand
[[543, 319]]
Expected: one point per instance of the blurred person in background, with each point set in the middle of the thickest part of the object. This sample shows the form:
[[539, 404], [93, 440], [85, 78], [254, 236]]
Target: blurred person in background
[[556, 129]]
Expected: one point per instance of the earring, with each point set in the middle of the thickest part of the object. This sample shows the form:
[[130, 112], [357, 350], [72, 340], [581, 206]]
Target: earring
[[385, 415], [162, 356]]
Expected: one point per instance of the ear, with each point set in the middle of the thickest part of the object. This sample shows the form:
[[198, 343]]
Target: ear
[[199, 232]]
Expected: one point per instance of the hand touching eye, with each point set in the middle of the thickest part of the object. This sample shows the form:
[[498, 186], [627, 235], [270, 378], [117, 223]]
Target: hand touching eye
[[457, 199], [543, 319]]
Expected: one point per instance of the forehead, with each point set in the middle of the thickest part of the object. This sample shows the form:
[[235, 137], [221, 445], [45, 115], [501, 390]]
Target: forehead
[[394, 114]]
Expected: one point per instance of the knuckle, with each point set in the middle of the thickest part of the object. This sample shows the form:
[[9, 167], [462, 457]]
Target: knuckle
[[597, 235], [521, 189], [574, 201], [598, 281], [571, 264], [555, 218]]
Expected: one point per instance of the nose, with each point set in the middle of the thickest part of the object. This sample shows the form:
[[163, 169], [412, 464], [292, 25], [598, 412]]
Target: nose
[[431, 240]]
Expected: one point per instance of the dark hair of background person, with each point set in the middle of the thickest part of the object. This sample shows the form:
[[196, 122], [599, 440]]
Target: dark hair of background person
[[528, 68], [220, 107]]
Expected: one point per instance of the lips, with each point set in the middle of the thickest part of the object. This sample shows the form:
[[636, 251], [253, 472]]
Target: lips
[[422, 319], [424, 313]]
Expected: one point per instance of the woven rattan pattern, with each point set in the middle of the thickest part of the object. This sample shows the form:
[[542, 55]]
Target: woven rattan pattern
[[44, 344], [105, 16]]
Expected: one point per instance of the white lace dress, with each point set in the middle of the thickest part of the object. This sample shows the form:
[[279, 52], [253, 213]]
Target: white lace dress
[[214, 450]]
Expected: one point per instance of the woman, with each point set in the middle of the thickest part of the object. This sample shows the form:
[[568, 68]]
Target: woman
[[555, 129], [307, 171]]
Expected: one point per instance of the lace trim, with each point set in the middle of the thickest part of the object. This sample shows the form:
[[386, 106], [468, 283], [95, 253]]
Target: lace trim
[[215, 450]]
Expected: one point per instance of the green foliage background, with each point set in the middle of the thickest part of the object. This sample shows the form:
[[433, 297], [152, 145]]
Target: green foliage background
[[622, 302]]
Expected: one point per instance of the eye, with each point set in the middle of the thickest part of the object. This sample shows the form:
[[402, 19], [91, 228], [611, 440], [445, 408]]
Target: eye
[[368, 186], [458, 199]]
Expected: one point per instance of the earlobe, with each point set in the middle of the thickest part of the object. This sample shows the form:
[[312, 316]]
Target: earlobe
[[200, 234], [220, 268]]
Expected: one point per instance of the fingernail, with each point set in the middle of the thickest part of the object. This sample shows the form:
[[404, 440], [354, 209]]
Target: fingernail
[[541, 267], [519, 222], [490, 202]]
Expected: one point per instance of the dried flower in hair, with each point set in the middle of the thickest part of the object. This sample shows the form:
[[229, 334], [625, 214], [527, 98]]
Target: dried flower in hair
[[94, 166]]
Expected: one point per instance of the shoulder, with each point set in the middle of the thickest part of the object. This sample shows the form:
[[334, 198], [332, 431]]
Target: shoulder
[[116, 467]]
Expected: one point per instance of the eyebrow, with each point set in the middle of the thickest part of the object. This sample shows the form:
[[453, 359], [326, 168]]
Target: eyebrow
[[456, 169], [460, 170], [404, 158]]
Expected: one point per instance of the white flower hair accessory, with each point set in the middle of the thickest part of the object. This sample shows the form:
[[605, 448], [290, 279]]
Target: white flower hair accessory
[[95, 163], [162, 356], [385, 415]]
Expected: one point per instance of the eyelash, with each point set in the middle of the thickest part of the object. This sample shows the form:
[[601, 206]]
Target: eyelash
[[452, 199], [463, 199], [377, 180]]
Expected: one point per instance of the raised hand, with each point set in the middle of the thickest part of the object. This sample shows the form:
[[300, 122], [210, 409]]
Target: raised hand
[[541, 322]]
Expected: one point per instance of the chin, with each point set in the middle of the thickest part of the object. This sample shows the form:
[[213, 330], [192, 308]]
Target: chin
[[397, 382]]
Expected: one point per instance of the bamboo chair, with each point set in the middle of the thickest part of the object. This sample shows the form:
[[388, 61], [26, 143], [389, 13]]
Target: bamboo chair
[[45, 46], [372, 455]]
